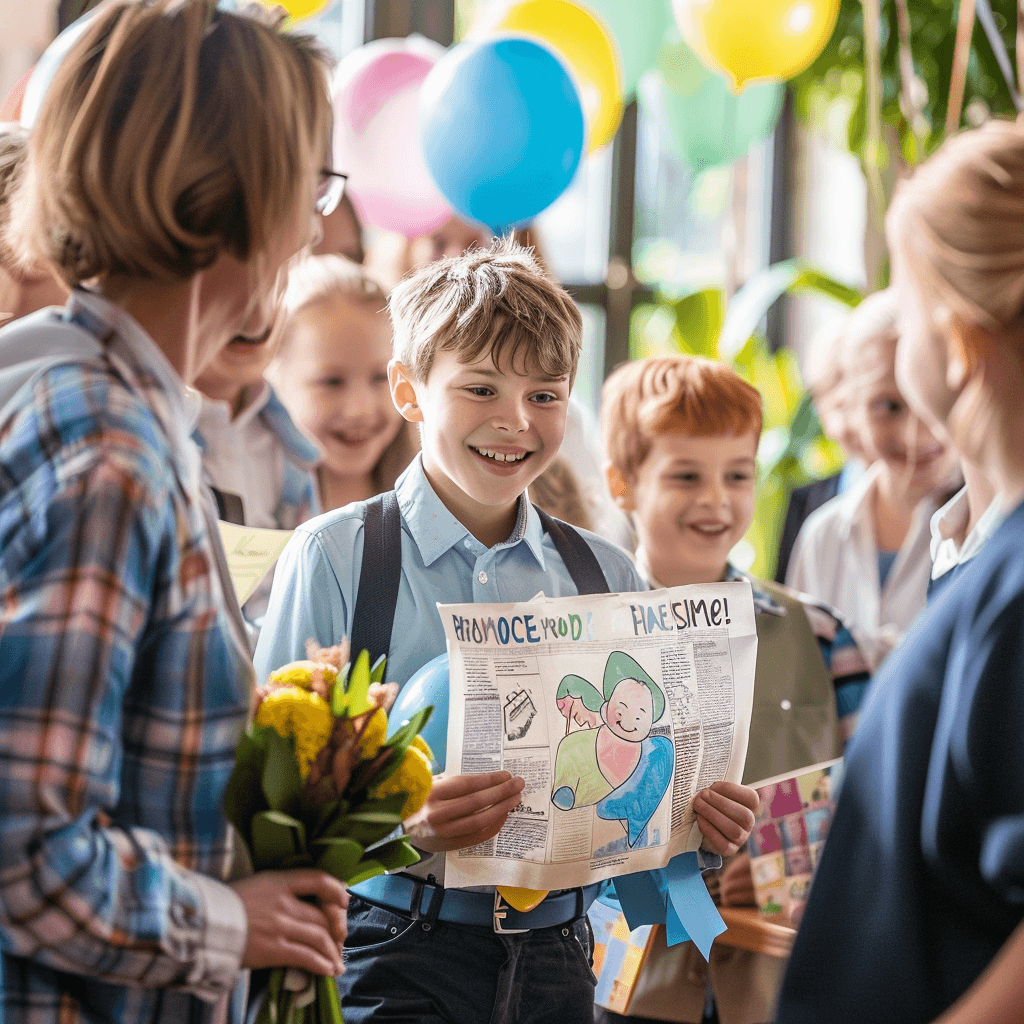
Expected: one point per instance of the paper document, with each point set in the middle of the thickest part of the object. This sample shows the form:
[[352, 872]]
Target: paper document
[[615, 708], [251, 554]]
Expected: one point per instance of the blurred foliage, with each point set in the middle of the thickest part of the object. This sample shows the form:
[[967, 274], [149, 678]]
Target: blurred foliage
[[831, 92], [793, 450]]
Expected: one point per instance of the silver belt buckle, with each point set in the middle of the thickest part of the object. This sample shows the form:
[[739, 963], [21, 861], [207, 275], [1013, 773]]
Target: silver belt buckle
[[500, 907]]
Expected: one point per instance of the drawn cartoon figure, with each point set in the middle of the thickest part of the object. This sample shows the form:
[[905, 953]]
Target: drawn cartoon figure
[[617, 764]]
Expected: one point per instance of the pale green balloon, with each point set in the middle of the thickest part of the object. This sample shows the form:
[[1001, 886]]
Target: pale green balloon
[[638, 28], [705, 123]]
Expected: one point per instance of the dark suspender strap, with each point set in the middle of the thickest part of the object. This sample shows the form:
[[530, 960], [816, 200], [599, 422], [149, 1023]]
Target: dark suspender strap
[[379, 577], [577, 554]]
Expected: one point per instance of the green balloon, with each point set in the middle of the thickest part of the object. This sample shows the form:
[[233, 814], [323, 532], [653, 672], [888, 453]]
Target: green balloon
[[638, 28], [705, 124]]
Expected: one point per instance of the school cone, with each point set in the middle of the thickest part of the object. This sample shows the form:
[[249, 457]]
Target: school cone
[[524, 900]]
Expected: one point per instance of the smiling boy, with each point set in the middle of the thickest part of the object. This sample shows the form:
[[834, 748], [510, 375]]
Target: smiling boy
[[486, 348], [681, 436]]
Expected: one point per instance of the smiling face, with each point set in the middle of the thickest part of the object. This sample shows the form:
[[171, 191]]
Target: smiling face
[[487, 434], [332, 376], [629, 712], [692, 499], [915, 459]]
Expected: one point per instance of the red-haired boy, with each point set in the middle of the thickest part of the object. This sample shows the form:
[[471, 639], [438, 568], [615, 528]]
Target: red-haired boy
[[680, 437]]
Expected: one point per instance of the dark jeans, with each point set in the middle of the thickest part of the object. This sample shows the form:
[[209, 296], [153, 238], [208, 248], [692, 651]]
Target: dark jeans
[[401, 970]]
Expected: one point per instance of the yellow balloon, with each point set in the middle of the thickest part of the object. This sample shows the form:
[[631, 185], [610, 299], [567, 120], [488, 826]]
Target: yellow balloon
[[581, 38], [298, 9], [748, 40]]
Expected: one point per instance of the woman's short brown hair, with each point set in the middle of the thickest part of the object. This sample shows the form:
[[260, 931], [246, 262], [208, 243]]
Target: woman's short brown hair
[[173, 133]]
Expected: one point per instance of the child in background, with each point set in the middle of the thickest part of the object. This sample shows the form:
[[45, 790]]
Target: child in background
[[823, 377], [22, 289], [917, 908], [486, 348], [681, 436], [866, 552], [332, 375]]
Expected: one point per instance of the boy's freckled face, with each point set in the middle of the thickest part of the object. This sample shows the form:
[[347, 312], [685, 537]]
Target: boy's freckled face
[[692, 499], [629, 712], [487, 434]]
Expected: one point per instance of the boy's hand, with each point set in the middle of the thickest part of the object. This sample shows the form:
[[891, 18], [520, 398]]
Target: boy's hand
[[736, 883], [725, 814], [464, 810]]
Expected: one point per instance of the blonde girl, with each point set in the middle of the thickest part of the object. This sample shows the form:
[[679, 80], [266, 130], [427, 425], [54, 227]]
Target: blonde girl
[[173, 171], [917, 906], [331, 375]]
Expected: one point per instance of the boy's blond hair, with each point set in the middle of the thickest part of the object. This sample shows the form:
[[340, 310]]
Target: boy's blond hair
[[672, 395], [173, 133], [495, 301]]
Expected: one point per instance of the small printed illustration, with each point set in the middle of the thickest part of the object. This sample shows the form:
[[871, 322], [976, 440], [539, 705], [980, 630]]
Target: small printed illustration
[[520, 712], [611, 759]]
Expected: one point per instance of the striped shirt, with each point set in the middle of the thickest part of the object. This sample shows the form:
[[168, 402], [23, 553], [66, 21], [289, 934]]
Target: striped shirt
[[124, 684]]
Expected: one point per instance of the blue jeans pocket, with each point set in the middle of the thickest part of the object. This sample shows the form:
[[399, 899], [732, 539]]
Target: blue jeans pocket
[[372, 928]]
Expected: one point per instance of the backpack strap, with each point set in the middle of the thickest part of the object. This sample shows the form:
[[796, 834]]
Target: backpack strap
[[577, 554], [379, 577], [381, 570]]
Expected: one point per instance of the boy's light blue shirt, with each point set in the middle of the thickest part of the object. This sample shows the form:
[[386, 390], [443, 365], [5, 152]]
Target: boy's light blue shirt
[[317, 576]]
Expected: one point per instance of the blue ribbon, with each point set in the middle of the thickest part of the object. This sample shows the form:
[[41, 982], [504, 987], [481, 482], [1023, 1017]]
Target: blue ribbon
[[674, 896]]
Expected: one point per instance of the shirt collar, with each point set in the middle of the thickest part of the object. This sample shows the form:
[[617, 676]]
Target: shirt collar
[[175, 404], [435, 530], [295, 443]]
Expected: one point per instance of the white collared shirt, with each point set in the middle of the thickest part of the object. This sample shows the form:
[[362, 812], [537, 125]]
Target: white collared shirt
[[242, 456], [951, 520], [835, 560]]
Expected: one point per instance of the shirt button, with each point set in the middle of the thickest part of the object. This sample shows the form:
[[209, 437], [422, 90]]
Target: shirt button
[[467, 543], [482, 577], [786, 705]]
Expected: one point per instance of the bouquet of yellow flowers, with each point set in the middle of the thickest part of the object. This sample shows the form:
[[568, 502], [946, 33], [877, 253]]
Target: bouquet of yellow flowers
[[319, 783]]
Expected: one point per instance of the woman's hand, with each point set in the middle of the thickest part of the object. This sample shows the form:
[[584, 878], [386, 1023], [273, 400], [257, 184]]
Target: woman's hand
[[464, 810], [725, 814], [286, 931]]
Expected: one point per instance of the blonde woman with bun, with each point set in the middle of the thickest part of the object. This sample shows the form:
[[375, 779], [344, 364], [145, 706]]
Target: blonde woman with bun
[[917, 909], [173, 171]]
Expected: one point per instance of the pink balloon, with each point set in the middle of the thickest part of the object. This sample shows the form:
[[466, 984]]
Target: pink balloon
[[376, 137]]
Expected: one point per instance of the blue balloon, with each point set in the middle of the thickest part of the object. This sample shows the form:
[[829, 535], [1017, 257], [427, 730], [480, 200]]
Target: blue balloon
[[47, 67], [428, 685], [502, 129]]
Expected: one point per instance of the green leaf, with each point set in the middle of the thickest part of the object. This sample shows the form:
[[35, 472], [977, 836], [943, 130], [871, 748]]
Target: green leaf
[[359, 685], [339, 856], [328, 1001], [399, 743], [364, 828], [699, 322], [395, 854], [276, 838], [751, 303], [243, 797], [282, 780], [366, 869], [375, 817], [377, 672], [338, 698]]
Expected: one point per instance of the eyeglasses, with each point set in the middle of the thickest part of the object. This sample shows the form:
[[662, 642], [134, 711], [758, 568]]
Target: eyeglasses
[[329, 191]]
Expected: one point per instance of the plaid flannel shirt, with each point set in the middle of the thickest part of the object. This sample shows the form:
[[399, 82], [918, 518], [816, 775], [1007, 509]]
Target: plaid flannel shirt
[[124, 687]]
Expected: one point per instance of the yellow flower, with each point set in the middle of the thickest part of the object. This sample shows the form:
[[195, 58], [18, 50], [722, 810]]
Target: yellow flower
[[413, 778], [373, 735], [317, 676], [422, 746], [293, 711]]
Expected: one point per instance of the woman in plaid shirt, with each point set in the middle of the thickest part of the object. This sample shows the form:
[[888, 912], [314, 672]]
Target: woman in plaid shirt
[[174, 166]]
